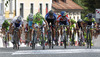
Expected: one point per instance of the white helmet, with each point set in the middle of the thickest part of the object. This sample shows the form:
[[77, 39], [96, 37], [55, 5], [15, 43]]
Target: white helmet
[[19, 18], [30, 16], [79, 20]]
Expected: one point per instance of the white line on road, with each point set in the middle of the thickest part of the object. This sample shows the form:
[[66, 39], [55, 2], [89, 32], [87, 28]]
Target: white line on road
[[57, 51], [5, 52]]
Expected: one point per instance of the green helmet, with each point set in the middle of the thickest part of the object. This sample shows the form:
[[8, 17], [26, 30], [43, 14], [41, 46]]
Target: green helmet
[[38, 15], [6, 21], [73, 20]]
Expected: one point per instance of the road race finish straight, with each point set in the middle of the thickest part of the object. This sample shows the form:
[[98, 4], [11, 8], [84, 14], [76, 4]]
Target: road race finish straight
[[60, 51]]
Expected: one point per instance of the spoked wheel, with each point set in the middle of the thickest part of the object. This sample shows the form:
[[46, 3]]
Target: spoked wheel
[[87, 41], [6, 44], [49, 41], [52, 44], [65, 41], [90, 41], [33, 44]]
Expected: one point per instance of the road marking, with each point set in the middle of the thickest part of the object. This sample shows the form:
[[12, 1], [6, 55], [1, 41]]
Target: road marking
[[57, 51], [5, 52]]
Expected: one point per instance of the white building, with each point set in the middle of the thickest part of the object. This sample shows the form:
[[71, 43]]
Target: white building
[[25, 7]]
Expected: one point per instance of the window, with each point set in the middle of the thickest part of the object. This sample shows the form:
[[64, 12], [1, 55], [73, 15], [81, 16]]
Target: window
[[31, 8], [55, 0], [21, 9], [46, 8], [41, 8], [77, 17], [63, 1], [74, 17]]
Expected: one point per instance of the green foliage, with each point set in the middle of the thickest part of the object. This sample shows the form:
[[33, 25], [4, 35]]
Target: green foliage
[[89, 6]]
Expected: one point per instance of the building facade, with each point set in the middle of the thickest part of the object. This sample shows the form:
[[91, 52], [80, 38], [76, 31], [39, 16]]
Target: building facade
[[25, 7], [73, 10]]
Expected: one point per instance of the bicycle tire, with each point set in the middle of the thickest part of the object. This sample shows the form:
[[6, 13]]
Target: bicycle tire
[[90, 40], [87, 39], [34, 37], [65, 39], [49, 38]]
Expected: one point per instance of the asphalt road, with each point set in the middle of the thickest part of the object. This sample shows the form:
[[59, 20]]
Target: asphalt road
[[70, 51], [58, 51]]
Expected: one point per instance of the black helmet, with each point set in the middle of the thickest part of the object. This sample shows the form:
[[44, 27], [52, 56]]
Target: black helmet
[[90, 15], [51, 13]]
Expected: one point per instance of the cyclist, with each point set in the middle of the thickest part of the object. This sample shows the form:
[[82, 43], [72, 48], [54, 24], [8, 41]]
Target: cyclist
[[17, 22], [79, 27], [72, 27], [88, 21], [63, 20], [30, 23], [37, 23], [51, 18], [5, 28]]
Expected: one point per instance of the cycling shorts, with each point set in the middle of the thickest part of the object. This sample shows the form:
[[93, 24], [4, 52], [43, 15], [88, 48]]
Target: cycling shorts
[[63, 23], [51, 20]]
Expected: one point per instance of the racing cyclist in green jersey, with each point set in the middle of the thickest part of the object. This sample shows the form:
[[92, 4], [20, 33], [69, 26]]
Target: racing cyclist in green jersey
[[88, 21], [5, 28], [72, 28], [38, 22]]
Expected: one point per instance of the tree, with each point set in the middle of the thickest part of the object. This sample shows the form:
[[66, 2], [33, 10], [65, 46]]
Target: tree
[[87, 5]]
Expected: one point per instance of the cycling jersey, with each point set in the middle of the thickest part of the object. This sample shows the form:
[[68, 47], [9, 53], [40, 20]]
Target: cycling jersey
[[6, 25], [15, 24], [52, 20], [86, 20], [41, 22], [63, 20]]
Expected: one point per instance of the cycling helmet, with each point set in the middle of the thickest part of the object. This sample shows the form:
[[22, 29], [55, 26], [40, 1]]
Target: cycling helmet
[[79, 20], [6, 21], [38, 15], [73, 20], [51, 13], [90, 15], [63, 13], [30, 16], [19, 18]]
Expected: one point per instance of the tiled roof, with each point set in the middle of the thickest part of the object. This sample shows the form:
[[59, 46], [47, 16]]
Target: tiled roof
[[69, 4]]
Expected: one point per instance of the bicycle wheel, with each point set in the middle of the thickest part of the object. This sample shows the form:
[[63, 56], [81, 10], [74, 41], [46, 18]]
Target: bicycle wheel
[[56, 41], [64, 39], [33, 41], [87, 39], [5, 42], [90, 40], [73, 43], [43, 43]]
